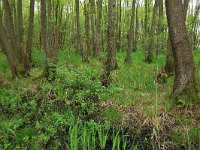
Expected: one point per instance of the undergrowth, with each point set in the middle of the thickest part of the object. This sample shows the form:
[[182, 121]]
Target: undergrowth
[[76, 112]]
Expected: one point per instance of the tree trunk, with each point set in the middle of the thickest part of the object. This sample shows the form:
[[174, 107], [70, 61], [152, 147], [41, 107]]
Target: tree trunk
[[43, 26], [7, 49], [169, 66], [119, 25], [145, 30], [195, 27], [50, 40], [92, 19], [30, 32], [78, 30], [87, 32], [98, 28], [111, 63], [160, 28], [131, 35], [136, 29], [185, 80], [10, 42], [149, 57]]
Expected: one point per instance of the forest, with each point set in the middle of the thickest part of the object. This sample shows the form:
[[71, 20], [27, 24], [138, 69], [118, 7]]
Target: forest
[[99, 74]]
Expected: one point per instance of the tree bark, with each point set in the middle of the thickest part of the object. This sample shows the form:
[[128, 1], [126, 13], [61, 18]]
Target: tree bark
[[79, 48], [169, 66], [195, 26], [43, 26], [87, 31], [10, 41], [149, 57], [92, 19], [30, 32], [160, 28], [98, 28], [136, 29], [185, 79], [111, 63], [131, 35], [119, 25]]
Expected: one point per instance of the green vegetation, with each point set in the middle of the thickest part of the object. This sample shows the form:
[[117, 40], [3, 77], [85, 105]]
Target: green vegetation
[[99, 75], [76, 112]]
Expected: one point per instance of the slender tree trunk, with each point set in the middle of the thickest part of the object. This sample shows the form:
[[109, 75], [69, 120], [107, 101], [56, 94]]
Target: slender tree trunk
[[111, 63], [195, 27], [98, 28], [131, 35], [92, 19], [20, 25], [146, 14], [30, 32], [185, 79], [160, 28], [78, 27], [149, 57], [136, 29], [119, 25], [43, 26], [87, 31]]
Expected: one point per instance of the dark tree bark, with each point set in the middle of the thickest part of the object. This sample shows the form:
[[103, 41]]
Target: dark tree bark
[[131, 35], [30, 32], [149, 57], [185, 79], [111, 63]]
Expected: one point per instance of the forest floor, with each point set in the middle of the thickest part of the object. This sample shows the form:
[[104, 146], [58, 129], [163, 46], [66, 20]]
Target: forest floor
[[36, 114]]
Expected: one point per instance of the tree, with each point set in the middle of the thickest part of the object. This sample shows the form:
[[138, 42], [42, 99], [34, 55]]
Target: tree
[[98, 28], [119, 12], [149, 57], [136, 28], [195, 26], [111, 62], [169, 65], [160, 28], [78, 28], [131, 35], [30, 32], [87, 31], [92, 19], [49, 40], [185, 80], [11, 40]]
